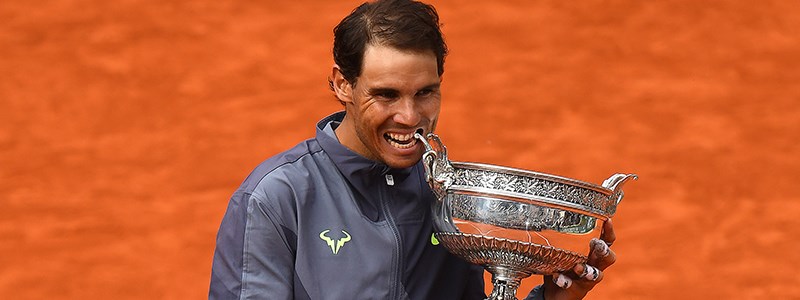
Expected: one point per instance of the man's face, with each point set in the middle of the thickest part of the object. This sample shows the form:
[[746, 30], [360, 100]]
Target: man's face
[[396, 95]]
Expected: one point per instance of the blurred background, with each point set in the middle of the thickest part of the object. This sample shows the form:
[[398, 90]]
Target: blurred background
[[126, 125]]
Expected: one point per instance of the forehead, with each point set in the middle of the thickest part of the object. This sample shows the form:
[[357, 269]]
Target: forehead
[[389, 67]]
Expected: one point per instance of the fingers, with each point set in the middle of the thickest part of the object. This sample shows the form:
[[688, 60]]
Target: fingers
[[608, 233], [562, 281], [587, 275], [601, 255], [588, 272], [599, 248]]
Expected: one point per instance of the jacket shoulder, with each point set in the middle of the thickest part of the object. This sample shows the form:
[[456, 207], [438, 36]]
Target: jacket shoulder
[[278, 167]]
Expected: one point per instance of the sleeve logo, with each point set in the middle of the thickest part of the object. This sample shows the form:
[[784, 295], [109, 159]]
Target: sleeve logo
[[335, 245], [434, 241]]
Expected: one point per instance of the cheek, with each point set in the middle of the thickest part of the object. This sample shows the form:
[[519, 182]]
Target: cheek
[[376, 113], [431, 110], [371, 120]]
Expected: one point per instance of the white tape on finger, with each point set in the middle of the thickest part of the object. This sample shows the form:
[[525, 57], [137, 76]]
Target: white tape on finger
[[590, 273], [562, 281], [600, 247]]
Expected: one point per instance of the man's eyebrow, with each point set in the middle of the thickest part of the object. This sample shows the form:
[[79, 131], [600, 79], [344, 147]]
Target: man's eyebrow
[[434, 86], [384, 90], [381, 90]]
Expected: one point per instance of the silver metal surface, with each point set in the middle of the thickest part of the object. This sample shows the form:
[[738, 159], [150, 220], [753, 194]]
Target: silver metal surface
[[511, 214], [515, 222]]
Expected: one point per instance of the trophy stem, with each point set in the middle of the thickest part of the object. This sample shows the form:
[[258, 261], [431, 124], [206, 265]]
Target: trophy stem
[[505, 282]]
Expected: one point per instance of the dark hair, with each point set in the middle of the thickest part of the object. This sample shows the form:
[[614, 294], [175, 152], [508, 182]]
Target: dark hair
[[401, 24]]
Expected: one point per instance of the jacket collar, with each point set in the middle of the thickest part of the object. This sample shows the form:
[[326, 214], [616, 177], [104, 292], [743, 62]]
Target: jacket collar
[[361, 173]]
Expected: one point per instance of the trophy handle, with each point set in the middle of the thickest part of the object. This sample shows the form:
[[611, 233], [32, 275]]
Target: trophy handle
[[615, 182], [438, 170]]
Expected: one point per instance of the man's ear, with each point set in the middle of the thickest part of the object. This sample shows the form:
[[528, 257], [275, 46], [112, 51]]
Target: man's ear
[[341, 87]]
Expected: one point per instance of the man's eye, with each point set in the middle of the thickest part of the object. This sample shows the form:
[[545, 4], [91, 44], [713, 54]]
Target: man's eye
[[424, 93]]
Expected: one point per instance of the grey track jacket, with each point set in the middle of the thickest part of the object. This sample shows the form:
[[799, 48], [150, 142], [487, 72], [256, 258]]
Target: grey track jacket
[[319, 221]]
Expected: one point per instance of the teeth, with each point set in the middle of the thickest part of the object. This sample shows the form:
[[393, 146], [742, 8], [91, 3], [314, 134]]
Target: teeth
[[402, 146], [401, 137], [402, 141]]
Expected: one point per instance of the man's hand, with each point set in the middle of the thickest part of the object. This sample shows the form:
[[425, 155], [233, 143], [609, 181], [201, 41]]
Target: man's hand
[[582, 278]]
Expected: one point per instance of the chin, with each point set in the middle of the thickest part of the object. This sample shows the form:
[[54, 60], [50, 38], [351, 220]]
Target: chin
[[402, 159], [402, 163]]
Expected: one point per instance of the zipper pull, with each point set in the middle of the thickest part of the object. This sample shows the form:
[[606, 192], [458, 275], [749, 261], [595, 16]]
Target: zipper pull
[[389, 179]]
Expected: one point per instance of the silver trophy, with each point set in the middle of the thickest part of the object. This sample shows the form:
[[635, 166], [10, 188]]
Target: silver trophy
[[515, 222]]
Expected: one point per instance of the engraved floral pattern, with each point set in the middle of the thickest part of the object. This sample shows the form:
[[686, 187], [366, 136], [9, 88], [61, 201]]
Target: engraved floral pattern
[[592, 200], [524, 257], [516, 215]]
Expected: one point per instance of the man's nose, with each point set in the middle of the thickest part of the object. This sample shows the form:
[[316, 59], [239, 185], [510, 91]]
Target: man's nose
[[407, 112]]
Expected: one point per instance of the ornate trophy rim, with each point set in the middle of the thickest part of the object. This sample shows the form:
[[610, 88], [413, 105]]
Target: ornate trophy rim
[[533, 187], [532, 174], [550, 190]]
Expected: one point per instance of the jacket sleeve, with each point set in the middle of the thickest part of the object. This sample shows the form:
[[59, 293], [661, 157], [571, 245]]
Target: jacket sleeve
[[536, 293], [254, 256], [474, 288]]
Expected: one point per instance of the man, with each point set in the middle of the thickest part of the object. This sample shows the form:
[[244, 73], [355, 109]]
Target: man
[[346, 215]]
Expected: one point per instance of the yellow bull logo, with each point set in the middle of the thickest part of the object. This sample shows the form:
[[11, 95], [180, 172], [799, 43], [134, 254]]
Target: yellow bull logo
[[338, 244]]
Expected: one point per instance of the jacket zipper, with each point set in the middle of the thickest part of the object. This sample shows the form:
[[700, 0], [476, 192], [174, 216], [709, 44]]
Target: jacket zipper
[[398, 250]]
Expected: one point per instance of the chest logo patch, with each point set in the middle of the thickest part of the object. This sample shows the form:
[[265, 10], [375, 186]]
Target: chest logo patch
[[337, 244]]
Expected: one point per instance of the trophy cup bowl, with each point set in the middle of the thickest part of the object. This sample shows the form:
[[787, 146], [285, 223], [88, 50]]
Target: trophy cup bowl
[[515, 222]]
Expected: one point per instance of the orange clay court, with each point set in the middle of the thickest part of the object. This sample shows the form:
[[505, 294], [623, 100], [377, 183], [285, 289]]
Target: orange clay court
[[126, 125]]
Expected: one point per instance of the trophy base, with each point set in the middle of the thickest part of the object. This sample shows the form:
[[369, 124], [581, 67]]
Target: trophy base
[[505, 282], [508, 261]]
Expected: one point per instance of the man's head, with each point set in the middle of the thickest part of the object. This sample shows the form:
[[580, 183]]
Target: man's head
[[388, 77], [399, 24]]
